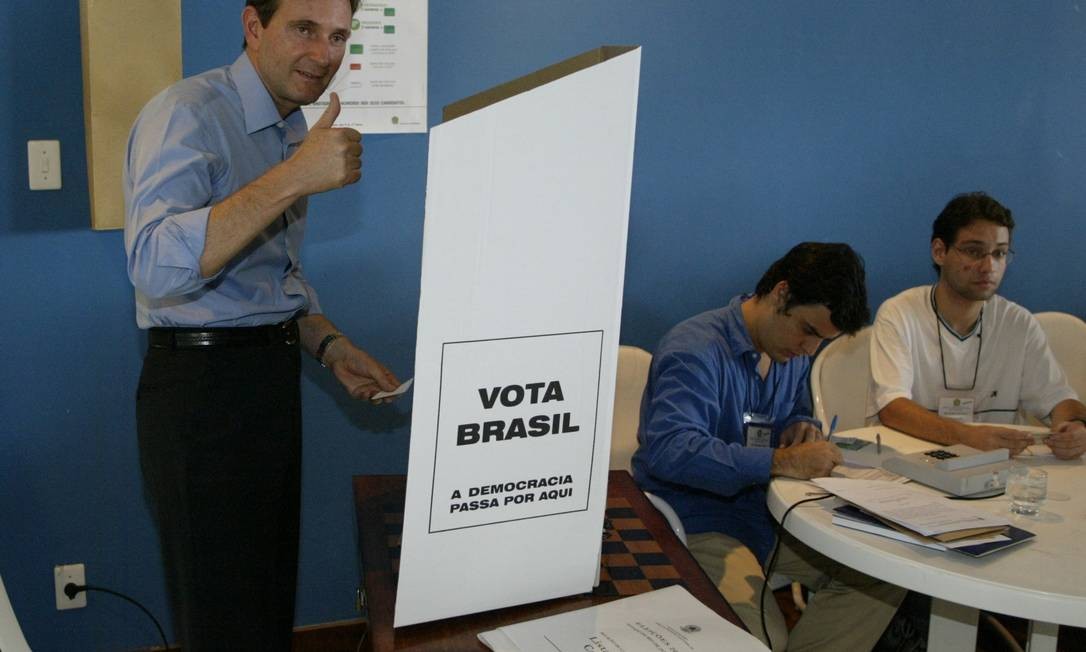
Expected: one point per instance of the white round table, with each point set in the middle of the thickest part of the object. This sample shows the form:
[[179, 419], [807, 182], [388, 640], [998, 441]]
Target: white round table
[[1043, 580]]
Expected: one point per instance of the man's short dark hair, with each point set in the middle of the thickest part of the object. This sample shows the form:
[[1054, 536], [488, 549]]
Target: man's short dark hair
[[965, 209], [822, 273], [265, 9]]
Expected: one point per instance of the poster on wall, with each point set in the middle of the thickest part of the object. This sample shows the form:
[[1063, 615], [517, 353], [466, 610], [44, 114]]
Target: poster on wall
[[382, 81], [524, 253]]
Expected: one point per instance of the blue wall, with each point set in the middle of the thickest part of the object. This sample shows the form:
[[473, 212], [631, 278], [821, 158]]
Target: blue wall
[[761, 124]]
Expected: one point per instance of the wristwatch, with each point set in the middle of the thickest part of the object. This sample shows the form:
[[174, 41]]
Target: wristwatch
[[328, 339]]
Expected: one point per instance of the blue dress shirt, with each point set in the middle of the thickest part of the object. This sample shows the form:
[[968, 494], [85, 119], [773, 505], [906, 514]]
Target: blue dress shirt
[[191, 147], [692, 452]]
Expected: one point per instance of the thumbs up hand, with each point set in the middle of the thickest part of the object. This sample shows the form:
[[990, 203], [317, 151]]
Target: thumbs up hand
[[328, 118], [329, 157]]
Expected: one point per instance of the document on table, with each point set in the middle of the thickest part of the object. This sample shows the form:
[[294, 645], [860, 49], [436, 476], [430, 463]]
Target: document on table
[[666, 619], [853, 517], [847, 470], [916, 509], [1039, 450]]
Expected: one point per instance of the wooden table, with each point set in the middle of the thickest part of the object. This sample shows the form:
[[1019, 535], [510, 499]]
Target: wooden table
[[654, 558]]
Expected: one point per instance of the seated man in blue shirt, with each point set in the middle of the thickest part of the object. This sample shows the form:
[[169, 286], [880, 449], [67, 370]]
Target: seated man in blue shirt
[[726, 408]]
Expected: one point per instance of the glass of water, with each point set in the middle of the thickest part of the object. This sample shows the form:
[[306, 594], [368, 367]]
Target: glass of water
[[1027, 488]]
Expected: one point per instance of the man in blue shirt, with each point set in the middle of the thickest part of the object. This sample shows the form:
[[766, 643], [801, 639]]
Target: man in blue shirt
[[218, 171], [726, 408]]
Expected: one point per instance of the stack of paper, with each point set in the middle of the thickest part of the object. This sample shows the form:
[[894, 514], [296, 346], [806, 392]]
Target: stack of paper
[[855, 518], [919, 517], [667, 619]]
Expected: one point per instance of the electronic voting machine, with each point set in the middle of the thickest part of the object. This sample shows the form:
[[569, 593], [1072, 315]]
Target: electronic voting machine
[[959, 470]]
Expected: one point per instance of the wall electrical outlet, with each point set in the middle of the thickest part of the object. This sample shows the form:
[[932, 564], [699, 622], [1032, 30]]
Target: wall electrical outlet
[[62, 575], [43, 164]]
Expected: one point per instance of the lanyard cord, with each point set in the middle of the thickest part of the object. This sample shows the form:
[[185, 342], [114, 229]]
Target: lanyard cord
[[939, 337], [752, 386], [772, 386]]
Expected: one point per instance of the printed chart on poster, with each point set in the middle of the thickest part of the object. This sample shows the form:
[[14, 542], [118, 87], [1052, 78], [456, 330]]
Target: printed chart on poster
[[382, 81]]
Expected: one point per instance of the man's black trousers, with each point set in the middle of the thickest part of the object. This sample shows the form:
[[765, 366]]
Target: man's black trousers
[[220, 448]]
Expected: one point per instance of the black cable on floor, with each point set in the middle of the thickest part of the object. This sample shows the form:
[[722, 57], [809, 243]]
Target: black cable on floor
[[71, 589], [773, 557]]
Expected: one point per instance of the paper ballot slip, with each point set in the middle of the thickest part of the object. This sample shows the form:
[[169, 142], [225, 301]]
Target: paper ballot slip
[[666, 619], [918, 510], [404, 386]]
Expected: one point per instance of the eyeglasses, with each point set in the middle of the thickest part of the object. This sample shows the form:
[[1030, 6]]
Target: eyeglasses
[[977, 254]]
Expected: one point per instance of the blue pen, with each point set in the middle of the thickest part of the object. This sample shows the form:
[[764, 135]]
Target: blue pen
[[833, 425]]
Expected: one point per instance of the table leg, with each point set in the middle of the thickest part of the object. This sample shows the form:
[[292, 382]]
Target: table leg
[[953, 627], [1042, 636]]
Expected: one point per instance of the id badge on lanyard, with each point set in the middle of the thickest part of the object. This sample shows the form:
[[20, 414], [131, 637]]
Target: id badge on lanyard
[[758, 429], [957, 408]]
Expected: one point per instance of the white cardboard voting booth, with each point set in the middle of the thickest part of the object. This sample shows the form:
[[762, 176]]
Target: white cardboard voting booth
[[524, 251]]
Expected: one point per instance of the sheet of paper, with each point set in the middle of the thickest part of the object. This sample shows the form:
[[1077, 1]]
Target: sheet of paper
[[404, 386], [976, 541], [666, 619], [890, 533], [1038, 450], [866, 473], [919, 510], [497, 641]]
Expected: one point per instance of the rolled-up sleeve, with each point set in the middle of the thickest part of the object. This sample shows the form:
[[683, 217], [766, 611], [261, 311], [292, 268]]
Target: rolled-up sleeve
[[680, 423], [169, 188], [312, 303]]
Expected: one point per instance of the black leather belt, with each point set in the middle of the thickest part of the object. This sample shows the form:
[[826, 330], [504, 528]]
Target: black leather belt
[[190, 338]]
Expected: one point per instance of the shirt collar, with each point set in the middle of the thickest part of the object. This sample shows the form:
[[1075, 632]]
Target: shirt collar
[[735, 327], [975, 330], [256, 101]]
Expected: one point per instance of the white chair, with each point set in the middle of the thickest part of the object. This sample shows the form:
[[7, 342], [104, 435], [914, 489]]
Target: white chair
[[840, 375], [11, 635], [630, 379], [1067, 338], [839, 379]]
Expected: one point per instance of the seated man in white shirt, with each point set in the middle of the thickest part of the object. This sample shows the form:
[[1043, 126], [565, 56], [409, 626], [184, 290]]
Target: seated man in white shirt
[[952, 361]]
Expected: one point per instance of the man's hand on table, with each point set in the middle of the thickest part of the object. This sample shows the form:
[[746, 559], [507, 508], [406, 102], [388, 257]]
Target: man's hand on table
[[812, 459], [986, 438], [1068, 440], [800, 432]]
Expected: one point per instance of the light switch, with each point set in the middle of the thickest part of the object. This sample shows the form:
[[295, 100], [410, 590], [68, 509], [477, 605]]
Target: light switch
[[43, 164]]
